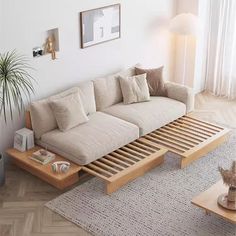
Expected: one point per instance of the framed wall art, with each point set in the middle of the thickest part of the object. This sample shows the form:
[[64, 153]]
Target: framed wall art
[[100, 25]]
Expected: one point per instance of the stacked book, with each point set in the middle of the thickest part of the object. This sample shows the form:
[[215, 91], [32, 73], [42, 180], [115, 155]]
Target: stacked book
[[43, 156]]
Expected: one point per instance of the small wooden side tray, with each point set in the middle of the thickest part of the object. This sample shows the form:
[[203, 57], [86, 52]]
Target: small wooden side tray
[[188, 137], [126, 163], [44, 172]]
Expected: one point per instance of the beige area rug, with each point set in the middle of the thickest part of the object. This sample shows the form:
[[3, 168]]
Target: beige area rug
[[156, 204]]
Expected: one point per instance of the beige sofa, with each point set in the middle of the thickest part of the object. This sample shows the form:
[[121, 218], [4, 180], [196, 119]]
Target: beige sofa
[[111, 124]]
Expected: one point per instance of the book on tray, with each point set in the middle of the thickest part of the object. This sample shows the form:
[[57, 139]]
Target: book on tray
[[42, 156]]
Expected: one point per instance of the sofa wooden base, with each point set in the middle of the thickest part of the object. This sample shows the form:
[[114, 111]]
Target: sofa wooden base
[[44, 172], [126, 164], [188, 137]]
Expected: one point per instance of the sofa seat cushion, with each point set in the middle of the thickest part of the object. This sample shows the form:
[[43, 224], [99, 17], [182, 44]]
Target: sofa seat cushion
[[151, 115], [101, 135]]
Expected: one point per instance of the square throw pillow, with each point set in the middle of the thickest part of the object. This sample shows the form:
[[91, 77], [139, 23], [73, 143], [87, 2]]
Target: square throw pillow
[[134, 89], [155, 80], [68, 111]]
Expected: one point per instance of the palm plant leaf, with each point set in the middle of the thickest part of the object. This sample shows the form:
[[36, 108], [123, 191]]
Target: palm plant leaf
[[15, 83]]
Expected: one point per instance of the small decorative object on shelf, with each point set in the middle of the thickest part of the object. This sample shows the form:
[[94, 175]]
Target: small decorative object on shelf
[[43, 156], [50, 46], [24, 139], [228, 200]]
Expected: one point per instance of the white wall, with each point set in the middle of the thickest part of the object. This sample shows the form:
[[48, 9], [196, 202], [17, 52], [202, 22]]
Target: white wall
[[1, 25], [144, 38]]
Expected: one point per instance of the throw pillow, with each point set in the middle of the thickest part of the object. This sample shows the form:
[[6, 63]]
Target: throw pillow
[[134, 89], [155, 80], [68, 111]]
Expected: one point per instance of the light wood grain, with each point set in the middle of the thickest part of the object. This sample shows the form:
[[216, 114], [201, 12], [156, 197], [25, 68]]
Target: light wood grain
[[24, 193], [188, 137], [133, 174], [28, 123], [208, 201], [59, 180], [125, 164]]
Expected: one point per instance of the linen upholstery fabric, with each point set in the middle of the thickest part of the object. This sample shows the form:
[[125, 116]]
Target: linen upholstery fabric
[[134, 89], [149, 116], [86, 91], [68, 111], [181, 93], [155, 80], [101, 135], [42, 117], [108, 91]]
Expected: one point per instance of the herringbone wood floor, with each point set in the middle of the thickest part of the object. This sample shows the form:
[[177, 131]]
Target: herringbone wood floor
[[22, 211]]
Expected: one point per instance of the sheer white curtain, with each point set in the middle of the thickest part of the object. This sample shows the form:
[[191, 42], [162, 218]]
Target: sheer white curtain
[[221, 48]]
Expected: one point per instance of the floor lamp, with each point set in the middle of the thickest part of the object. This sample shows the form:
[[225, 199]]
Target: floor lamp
[[185, 24]]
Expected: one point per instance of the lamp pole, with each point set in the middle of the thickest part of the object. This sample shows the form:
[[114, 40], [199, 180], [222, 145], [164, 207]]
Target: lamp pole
[[185, 56]]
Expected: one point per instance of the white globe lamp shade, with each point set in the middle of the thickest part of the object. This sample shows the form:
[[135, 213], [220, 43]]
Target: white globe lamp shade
[[184, 24]]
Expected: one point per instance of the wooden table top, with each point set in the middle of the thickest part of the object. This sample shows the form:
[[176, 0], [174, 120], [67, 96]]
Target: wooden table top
[[208, 201], [23, 157]]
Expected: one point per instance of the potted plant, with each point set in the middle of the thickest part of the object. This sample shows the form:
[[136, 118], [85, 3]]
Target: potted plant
[[15, 88]]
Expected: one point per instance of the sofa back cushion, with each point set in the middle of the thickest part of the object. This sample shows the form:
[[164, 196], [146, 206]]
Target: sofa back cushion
[[135, 89], [42, 117], [68, 111], [108, 91]]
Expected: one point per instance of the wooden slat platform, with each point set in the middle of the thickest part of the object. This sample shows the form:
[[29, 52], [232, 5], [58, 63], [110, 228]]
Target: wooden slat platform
[[188, 137], [126, 163]]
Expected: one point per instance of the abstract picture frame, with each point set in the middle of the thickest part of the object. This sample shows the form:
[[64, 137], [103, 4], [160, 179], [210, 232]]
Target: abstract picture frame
[[100, 25]]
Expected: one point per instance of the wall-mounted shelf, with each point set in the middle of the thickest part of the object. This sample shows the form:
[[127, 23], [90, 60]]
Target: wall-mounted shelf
[[43, 48]]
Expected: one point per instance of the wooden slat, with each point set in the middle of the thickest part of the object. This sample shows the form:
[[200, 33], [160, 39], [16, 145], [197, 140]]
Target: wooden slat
[[133, 152], [151, 150], [94, 173], [123, 158], [170, 148], [107, 167], [99, 169], [166, 134], [138, 149], [139, 164], [199, 127], [191, 141], [192, 129], [110, 163], [183, 133], [127, 154], [204, 122], [172, 140], [149, 144], [187, 132], [111, 158], [204, 148], [201, 124], [167, 143], [188, 138]]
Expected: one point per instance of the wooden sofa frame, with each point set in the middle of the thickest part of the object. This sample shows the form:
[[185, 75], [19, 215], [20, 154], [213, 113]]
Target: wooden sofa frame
[[187, 137]]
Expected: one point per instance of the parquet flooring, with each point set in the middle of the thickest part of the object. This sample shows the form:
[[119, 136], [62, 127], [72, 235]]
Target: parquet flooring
[[215, 109], [22, 211]]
